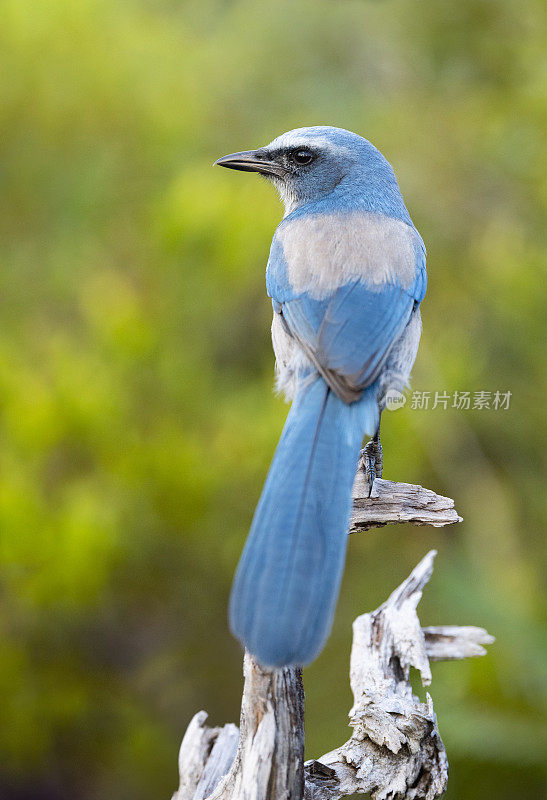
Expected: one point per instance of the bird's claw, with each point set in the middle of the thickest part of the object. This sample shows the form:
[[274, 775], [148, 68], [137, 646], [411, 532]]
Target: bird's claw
[[372, 461]]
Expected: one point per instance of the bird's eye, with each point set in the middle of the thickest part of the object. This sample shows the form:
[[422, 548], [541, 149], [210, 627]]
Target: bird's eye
[[302, 157]]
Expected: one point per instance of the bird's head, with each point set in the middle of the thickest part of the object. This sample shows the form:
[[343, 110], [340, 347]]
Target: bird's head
[[307, 164]]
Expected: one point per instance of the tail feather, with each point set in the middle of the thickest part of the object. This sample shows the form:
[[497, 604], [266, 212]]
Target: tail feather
[[288, 579]]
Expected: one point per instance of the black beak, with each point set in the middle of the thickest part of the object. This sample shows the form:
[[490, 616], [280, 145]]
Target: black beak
[[252, 161]]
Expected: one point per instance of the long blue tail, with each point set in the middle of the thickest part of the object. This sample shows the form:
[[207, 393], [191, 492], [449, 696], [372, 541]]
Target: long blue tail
[[287, 582]]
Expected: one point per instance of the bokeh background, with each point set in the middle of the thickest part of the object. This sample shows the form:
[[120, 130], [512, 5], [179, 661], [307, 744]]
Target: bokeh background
[[137, 413]]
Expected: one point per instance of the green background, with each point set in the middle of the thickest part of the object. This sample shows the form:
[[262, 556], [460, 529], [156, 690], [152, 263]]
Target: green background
[[137, 416]]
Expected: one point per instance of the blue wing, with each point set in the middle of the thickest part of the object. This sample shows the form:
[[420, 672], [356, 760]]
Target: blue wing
[[348, 334]]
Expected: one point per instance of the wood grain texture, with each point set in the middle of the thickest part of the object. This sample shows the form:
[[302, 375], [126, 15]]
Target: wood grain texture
[[391, 502]]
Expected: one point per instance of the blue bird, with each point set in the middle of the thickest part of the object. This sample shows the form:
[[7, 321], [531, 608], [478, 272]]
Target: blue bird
[[346, 275]]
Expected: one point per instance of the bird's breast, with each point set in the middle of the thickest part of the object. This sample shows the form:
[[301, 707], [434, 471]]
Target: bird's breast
[[324, 251]]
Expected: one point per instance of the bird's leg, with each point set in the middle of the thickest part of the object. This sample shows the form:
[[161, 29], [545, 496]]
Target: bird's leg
[[372, 458]]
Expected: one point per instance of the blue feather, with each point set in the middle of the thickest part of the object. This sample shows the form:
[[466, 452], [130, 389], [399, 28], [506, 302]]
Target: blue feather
[[353, 330], [287, 583]]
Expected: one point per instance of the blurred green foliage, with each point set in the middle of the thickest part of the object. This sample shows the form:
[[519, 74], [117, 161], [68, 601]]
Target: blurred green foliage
[[137, 417]]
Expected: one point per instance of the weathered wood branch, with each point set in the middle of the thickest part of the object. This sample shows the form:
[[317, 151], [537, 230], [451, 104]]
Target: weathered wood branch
[[268, 760], [270, 756], [452, 643], [395, 750], [206, 754], [390, 502]]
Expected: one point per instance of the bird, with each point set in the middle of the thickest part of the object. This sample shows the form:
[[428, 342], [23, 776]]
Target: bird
[[346, 275]]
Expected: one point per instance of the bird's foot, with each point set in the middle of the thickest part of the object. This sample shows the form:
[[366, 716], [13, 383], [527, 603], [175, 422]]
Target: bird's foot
[[372, 461]]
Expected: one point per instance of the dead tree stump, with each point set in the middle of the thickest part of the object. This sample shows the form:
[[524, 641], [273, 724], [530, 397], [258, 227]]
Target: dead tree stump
[[395, 751]]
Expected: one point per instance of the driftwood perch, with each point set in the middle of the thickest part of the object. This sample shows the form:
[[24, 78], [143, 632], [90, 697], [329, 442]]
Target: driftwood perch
[[398, 502], [266, 760], [395, 751]]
